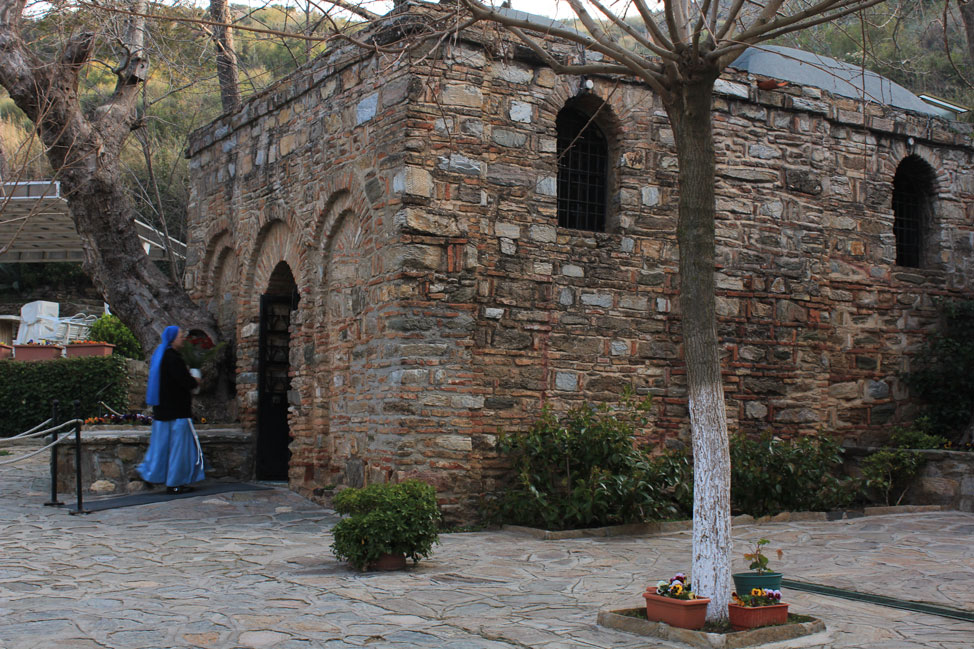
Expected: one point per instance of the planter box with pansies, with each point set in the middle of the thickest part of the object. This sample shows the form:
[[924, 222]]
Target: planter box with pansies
[[30, 353]]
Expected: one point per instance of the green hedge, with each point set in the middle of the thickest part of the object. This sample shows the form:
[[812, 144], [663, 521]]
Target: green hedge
[[27, 389]]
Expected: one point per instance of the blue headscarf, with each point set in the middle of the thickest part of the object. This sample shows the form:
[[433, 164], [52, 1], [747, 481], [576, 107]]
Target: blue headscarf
[[155, 365]]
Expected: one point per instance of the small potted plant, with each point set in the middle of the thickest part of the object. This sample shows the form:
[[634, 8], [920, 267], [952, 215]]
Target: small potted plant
[[674, 602], [760, 607], [760, 576], [386, 523]]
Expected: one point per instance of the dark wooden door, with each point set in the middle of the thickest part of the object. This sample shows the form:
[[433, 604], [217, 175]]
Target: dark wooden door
[[273, 434]]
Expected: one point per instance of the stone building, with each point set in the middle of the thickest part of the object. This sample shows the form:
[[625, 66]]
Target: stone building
[[410, 261]]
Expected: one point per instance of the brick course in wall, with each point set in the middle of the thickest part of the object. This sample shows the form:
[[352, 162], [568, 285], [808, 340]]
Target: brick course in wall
[[415, 205]]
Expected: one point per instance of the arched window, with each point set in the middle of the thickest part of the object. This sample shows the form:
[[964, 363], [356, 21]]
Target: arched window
[[583, 170], [913, 193]]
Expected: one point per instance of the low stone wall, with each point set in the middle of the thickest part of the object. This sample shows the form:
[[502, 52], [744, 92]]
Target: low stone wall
[[946, 478], [109, 455]]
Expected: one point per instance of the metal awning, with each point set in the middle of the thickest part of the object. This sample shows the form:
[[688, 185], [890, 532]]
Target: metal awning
[[35, 217]]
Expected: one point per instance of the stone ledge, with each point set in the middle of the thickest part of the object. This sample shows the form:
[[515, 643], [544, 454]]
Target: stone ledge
[[800, 635], [109, 455], [666, 527]]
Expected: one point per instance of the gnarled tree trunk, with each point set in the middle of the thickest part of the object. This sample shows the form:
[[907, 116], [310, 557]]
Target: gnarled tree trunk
[[84, 150]]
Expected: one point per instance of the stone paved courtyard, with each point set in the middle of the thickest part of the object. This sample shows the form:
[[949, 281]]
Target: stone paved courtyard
[[253, 569]]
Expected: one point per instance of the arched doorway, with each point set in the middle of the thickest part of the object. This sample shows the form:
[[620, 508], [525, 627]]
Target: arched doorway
[[273, 368]]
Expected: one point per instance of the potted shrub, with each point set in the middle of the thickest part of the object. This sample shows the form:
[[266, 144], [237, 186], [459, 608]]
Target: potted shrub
[[761, 576], [760, 607], [674, 602], [385, 524]]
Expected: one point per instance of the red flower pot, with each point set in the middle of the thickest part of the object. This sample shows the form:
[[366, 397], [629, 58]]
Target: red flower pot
[[77, 350], [684, 613], [6, 351], [748, 617], [389, 562], [31, 353]]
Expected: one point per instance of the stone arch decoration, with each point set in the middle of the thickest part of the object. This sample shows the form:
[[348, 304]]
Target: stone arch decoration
[[604, 109], [339, 265], [221, 282], [275, 243]]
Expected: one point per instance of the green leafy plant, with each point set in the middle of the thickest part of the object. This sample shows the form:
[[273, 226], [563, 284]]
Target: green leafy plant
[[383, 519], [758, 597], [582, 469], [771, 475], [108, 328], [758, 559], [890, 471], [678, 587], [920, 435]]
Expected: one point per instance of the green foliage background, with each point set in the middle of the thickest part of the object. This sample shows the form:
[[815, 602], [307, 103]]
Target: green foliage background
[[943, 378], [109, 329], [29, 388]]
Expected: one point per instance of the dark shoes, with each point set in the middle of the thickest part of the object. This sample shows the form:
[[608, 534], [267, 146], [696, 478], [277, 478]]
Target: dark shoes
[[183, 489]]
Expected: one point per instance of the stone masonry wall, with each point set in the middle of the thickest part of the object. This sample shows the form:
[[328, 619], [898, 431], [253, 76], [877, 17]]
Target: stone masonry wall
[[440, 302]]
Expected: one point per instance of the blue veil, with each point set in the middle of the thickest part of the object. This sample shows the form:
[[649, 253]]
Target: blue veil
[[155, 365]]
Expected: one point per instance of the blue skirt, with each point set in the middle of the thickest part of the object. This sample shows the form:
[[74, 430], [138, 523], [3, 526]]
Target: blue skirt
[[174, 456]]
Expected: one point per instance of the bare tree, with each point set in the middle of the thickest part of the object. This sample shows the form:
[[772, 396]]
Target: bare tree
[[83, 147], [680, 52], [226, 57], [966, 8]]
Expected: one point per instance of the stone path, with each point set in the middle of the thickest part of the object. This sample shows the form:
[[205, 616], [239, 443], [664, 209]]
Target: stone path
[[253, 569]]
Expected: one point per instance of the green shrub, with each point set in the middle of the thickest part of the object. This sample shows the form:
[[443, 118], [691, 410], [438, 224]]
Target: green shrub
[[890, 471], [29, 388], [109, 329], [919, 435], [770, 475], [382, 519], [583, 470]]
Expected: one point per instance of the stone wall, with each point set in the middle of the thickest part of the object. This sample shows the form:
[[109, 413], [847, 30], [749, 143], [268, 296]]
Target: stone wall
[[946, 478], [109, 455], [440, 302]]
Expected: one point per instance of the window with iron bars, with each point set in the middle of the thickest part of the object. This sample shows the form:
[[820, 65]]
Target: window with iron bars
[[583, 155], [912, 210]]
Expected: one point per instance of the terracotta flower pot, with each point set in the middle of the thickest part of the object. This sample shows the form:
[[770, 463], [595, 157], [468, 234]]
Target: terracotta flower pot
[[6, 351], [683, 613], [389, 562], [747, 617], [745, 581], [32, 353], [77, 350]]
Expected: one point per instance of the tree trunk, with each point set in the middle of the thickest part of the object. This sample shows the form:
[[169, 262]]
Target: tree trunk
[[226, 57], [690, 114], [85, 152], [966, 8]]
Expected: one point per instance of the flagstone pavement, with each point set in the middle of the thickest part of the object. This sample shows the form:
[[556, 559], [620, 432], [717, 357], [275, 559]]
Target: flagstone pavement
[[253, 570]]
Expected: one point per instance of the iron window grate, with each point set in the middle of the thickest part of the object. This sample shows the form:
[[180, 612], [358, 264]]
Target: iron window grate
[[582, 172]]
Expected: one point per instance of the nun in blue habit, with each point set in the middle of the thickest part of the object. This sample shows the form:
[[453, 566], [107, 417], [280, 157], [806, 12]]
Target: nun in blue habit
[[174, 457]]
